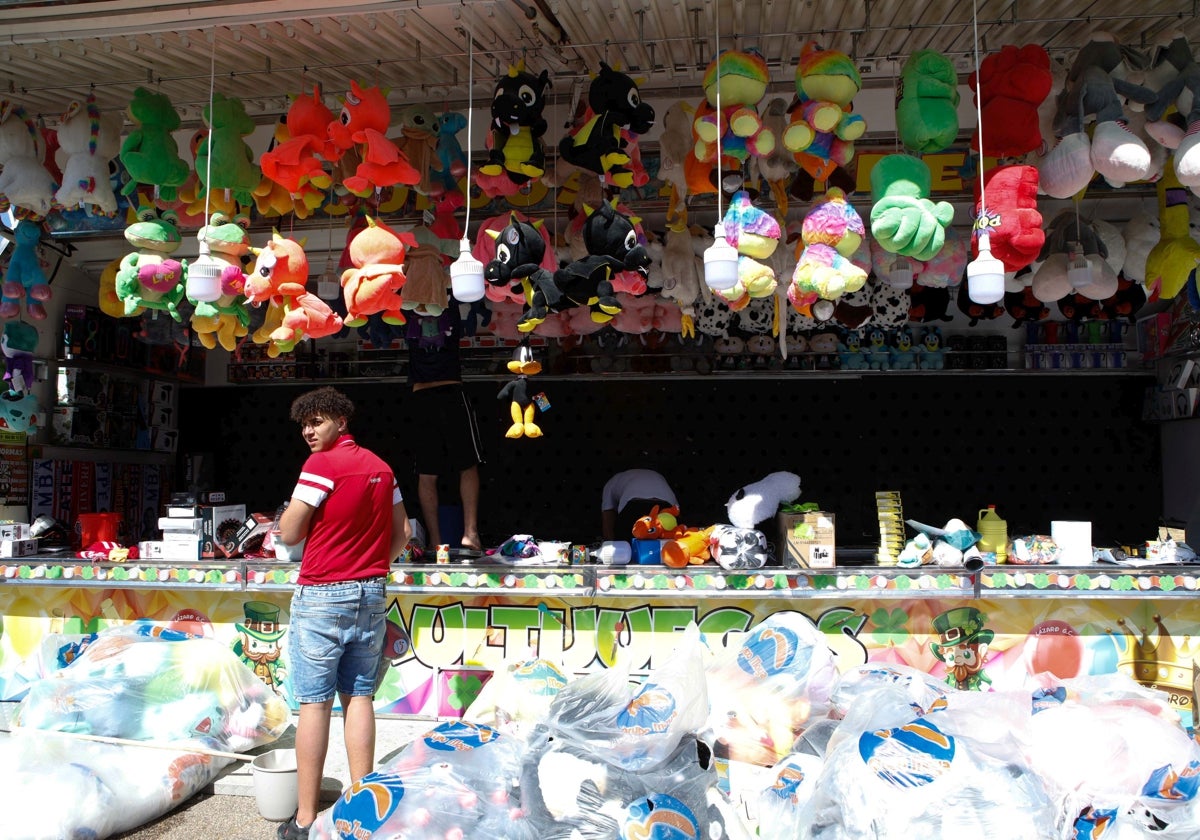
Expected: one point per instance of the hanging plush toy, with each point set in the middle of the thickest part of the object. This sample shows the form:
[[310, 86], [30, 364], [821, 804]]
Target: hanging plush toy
[[1141, 234], [19, 343], [1094, 87], [780, 166], [150, 154], [755, 234], [682, 269], [1012, 220], [1183, 91], [297, 163], [374, 284], [1070, 239], [452, 160], [1012, 83], [1173, 261], [599, 145], [278, 281], [417, 140], [225, 319], [903, 219], [88, 142], [484, 250], [927, 103], [359, 133], [518, 264], [832, 232], [823, 128], [674, 143], [516, 151], [741, 78], [224, 161], [24, 181], [150, 278], [522, 404], [25, 279]]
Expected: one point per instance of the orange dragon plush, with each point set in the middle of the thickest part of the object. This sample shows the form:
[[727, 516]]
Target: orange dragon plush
[[278, 280], [373, 285], [296, 163], [362, 126]]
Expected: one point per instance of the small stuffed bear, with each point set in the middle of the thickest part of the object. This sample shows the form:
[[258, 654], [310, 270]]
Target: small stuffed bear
[[760, 500]]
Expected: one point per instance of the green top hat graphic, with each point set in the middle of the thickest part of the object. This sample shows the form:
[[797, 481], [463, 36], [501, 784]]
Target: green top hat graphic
[[262, 621]]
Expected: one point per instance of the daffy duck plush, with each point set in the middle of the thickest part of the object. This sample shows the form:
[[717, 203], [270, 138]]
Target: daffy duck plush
[[521, 404]]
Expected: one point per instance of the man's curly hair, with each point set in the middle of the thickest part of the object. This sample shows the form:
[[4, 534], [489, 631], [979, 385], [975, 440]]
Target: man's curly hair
[[323, 402]]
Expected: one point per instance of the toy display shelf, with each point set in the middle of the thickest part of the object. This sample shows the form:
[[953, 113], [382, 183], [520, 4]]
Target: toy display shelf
[[1097, 581]]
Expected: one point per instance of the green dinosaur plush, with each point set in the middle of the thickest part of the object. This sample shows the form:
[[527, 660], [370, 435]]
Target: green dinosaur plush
[[150, 154], [904, 220], [225, 153], [927, 105]]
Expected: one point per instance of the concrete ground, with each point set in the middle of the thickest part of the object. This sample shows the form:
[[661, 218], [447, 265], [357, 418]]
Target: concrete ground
[[227, 810]]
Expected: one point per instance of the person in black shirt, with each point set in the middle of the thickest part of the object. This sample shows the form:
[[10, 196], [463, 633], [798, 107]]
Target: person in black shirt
[[448, 431]]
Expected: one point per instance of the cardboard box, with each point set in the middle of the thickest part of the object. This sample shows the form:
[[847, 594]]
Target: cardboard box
[[150, 549], [14, 531], [164, 440], [75, 425], [18, 548], [221, 524], [180, 552], [181, 524], [807, 540], [1153, 335], [249, 538], [163, 393]]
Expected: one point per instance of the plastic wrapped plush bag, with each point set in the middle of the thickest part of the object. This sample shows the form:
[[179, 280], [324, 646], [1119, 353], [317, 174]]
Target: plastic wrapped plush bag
[[457, 780], [139, 683], [765, 691], [518, 696], [635, 727]]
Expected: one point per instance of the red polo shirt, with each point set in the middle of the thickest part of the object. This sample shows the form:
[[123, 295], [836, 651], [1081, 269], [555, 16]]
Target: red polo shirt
[[350, 534]]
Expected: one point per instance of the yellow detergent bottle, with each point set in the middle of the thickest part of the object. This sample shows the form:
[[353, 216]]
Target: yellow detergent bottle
[[993, 534]]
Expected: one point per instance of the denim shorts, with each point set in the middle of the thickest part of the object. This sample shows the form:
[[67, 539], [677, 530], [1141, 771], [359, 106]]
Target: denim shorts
[[337, 632]]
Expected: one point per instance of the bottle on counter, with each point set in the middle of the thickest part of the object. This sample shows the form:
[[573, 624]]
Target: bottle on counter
[[993, 534]]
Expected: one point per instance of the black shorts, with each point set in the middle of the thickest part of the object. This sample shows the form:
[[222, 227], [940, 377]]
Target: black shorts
[[447, 438]]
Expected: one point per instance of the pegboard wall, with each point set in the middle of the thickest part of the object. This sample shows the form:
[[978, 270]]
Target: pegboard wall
[[1039, 448]]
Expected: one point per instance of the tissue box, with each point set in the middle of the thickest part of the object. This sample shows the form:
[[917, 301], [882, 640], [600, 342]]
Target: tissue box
[[807, 540]]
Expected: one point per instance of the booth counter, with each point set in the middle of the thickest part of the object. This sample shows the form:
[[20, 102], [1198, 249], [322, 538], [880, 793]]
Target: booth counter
[[451, 626]]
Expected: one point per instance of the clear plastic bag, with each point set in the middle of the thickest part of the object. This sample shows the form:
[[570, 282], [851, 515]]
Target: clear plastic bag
[[518, 696], [764, 691], [138, 683]]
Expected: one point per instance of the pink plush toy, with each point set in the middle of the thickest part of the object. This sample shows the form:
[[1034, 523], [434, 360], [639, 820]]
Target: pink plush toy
[[374, 284], [636, 316]]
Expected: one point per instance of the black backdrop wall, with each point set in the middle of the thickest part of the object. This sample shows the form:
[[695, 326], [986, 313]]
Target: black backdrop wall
[[1038, 447]]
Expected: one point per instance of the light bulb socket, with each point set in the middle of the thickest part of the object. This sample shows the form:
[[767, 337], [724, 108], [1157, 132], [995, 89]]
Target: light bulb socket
[[900, 273], [985, 275], [466, 275], [204, 276]]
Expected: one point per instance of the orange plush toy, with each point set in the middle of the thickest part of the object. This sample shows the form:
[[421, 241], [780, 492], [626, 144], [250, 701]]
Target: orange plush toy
[[374, 284], [362, 127], [278, 281], [296, 163]]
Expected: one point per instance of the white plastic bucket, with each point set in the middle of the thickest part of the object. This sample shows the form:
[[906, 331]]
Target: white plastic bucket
[[275, 787]]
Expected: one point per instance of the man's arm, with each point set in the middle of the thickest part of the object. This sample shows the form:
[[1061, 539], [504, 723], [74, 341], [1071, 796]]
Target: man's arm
[[401, 530], [295, 521], [608, 524]]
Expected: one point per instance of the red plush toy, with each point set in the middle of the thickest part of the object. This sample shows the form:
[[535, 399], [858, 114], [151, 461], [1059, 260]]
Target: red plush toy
[[360, 133], [298, 161], [1011, 85], [1012, 219]]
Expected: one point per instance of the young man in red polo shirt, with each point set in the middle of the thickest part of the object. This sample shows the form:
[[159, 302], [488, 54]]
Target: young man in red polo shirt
[[347, 511]]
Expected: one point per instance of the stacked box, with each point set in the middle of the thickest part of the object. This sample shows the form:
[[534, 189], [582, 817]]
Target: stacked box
[[79, 387], [161, 417], [79, 426], [18, 548], [182, 534]]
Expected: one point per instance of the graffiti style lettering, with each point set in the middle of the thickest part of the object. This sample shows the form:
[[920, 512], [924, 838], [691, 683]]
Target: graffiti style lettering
[[841, 626]]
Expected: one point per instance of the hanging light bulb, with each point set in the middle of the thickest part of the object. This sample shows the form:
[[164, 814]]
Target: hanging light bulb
[[900, 273], [204, 274], [1079, 270], [985, 274], [466, 272], [720, 262], [329, 286]]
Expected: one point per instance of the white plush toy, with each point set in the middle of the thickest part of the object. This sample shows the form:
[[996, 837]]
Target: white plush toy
[[759, 501], [87, 141], [24, 181], [1141, 235], [674, 145]]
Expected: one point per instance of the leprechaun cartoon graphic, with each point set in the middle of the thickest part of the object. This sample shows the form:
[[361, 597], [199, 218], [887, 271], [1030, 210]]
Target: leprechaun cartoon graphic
[[257, 642], [962, 644]]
